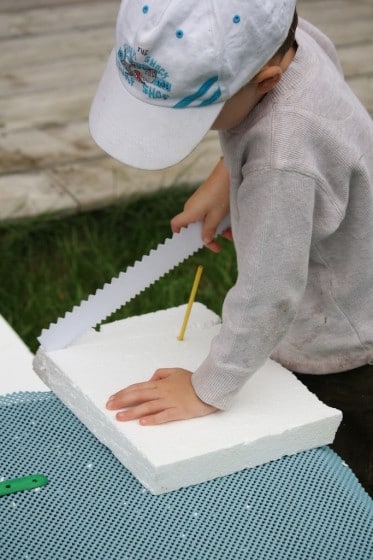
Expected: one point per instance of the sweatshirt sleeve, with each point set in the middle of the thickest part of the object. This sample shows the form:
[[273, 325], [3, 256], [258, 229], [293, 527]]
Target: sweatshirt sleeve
[[272, 217]]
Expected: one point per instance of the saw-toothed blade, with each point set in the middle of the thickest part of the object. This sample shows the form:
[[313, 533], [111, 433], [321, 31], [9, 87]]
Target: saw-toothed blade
[[126, 286]]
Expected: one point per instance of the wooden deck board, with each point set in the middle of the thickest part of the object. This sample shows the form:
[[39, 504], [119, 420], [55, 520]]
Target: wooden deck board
[[50, 77], [24, 52], [52, 56], [42, 21]]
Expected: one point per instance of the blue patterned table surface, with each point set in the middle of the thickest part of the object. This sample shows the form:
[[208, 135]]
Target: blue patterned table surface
[[308, 506]]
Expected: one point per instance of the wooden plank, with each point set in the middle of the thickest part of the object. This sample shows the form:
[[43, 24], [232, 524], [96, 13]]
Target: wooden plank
[[322, 13], [32, 51], [104, 180], [17, 5], [356, 60], [93, 183], [363, 88], [32, 194], [45, 147], [45, 21], [44, 108], [48, 77], [357, 32]]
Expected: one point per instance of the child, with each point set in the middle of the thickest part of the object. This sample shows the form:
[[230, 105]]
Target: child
[[297, 177]]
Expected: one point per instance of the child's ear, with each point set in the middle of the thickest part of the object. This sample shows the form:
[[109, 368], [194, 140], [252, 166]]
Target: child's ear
[[267, 78]]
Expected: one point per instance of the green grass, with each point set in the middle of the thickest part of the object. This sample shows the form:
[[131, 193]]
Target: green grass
[[47, 266]]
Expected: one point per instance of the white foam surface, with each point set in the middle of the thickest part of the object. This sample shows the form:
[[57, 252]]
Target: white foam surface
[[16, 373], [273, 415]]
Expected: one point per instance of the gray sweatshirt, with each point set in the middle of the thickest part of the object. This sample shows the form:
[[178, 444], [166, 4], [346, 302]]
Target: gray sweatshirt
[[301, 166]]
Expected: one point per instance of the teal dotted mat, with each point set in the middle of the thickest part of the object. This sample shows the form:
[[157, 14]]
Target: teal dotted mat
[[309, 506]]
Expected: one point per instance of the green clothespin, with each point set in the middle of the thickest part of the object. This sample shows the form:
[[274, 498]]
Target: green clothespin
[[24, 483]]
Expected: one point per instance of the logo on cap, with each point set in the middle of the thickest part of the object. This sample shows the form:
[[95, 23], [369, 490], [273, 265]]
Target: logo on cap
[[148, 74]]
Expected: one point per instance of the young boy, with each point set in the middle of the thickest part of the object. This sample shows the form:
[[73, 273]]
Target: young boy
[[297, 178]]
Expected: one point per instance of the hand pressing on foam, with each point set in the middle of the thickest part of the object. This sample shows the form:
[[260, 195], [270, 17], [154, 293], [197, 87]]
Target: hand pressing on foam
[[169, 395]]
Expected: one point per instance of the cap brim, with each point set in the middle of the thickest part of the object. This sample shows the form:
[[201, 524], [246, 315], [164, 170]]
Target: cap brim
[[141, 134]]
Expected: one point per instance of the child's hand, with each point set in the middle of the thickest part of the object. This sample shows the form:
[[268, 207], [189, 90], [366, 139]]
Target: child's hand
[[210, 204], [167, 396]]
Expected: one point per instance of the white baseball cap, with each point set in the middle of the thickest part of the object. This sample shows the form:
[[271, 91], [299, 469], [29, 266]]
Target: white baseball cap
[[174, 65]]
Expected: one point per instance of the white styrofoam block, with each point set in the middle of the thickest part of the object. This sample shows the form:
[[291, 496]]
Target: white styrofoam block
[[16, 373], [272, 416]]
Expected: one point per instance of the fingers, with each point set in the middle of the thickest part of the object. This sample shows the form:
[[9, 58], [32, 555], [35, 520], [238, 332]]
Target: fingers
[[145, 410], [133, 395], [186, 217], [208, 231], [143, 401], [168, 396], [227, 234], [214, 245], [151, 414], [210, 224], [178, 222], [167, 415]]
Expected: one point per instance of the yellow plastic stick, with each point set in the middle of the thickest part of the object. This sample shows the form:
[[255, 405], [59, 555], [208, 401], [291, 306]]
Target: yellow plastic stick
[[190, 302]]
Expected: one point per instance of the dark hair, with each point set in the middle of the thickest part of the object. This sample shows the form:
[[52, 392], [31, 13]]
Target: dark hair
[[290, 39]]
